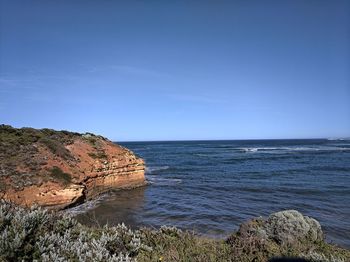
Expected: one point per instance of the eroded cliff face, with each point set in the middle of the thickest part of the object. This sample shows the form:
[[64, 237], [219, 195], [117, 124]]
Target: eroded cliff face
[[59, 169]]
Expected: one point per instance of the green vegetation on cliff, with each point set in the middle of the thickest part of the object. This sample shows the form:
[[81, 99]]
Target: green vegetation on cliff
[[17, 137], [19, 146], [19, 150], [37, 234]]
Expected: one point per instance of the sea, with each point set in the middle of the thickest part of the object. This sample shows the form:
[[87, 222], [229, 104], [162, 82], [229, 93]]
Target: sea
[[211, 187]]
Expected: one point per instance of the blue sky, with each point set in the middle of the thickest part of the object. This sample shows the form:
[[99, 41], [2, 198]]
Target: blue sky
[[173, 70]]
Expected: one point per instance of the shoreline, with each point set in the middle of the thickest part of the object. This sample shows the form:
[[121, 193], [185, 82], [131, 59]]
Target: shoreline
[[89, 216]]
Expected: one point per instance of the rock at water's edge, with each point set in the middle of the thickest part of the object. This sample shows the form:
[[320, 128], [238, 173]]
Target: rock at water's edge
[[58, 169]]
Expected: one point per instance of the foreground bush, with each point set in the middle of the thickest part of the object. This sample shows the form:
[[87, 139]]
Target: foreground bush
[[29, 234], [37, 234]]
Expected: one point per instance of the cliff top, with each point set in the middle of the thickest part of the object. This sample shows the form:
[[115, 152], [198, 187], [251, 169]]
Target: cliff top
[[28, 151], [17, 138]]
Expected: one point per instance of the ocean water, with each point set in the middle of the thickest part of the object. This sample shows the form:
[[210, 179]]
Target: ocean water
[[211, 187]]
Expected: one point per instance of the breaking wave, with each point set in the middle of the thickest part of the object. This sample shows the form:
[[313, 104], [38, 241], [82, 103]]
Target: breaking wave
[[274, 149], [163, 181], [154, 169]]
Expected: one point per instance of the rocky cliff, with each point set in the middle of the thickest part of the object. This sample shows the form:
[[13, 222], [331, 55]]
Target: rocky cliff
[[59, 169]]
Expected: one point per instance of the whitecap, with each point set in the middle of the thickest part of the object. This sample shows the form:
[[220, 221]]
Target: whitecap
[[338, 139], [303, 148], [256, 149], [201, 155], [153, 169], [86, 206], [249, 150], [317, 148], [156, 180]]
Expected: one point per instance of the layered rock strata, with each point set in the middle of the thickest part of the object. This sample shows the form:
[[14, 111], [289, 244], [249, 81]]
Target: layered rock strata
[[59, 169]]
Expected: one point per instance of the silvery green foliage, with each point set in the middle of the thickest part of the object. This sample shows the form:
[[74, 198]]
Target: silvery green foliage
[[84, 247], [289, 226], [17, 225], [170, 230], [319, 257], [65, 222], [36, 234]]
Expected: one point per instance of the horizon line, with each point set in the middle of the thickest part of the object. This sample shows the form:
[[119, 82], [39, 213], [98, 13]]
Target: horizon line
[[206, 140]]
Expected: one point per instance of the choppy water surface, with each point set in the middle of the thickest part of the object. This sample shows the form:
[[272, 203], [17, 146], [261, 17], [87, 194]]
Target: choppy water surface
[[213, 186]]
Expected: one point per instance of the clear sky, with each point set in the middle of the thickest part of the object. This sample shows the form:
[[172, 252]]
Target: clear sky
[[173, 70]]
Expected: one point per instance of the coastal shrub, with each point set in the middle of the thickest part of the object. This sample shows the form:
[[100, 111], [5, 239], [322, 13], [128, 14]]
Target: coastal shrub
[[18, 137], [283, 234], [98, 155], [317, 257], [63, 177], [64, 137], [172, 244], [28, 234], [91, 138], [56, 148], [18, 228], [37, 234]]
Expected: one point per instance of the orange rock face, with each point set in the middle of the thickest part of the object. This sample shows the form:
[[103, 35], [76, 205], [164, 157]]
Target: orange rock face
[[59, 170]]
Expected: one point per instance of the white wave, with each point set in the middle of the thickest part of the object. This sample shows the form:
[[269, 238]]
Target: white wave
[[340, 145], [256, 149], [201, 155], [86, 206], [150, 170], [163, 181], [303, 148], [319, 148], [251, 149]]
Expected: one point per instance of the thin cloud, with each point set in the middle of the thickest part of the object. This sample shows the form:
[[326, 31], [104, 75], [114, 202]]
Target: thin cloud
[[9, 85], [127, 69], [138, 71], [32, 82], [197, 98], [12, 81]]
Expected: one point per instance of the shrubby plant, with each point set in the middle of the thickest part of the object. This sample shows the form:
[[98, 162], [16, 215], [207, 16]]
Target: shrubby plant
[[37, 234], [316, 257]]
